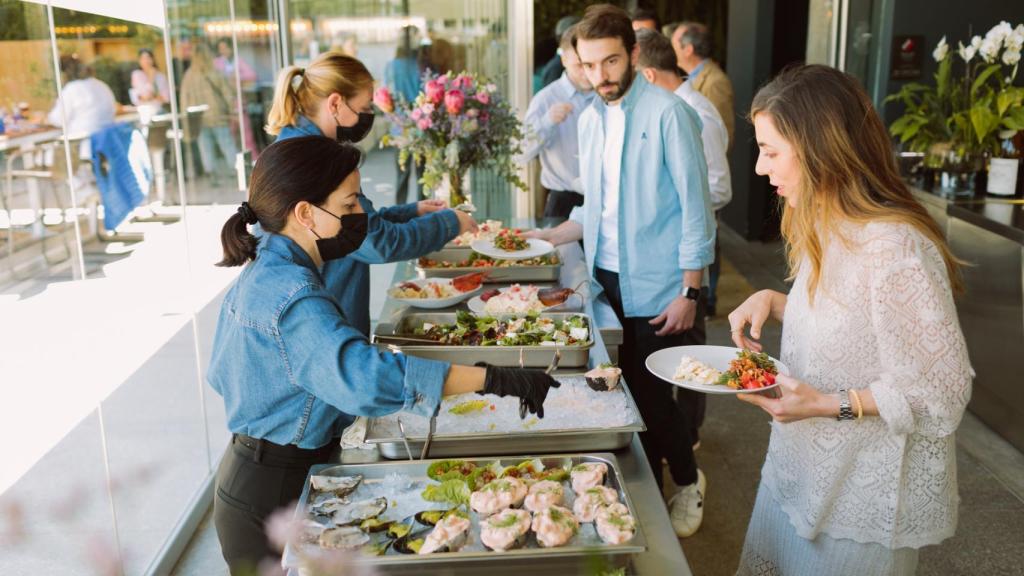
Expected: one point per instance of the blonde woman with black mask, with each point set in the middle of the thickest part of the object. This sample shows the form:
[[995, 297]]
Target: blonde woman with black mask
[[332, 97], [861, 465]]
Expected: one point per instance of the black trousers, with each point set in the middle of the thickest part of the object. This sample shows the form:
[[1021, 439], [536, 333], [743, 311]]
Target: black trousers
[[560, 203], [668, 429], [255, 478]]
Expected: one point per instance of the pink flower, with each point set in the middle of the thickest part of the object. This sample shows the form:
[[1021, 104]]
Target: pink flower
[[382, 98], [424, 123], [453, 101], [462, 82], [434, 91], [483, 98], [416, 114]]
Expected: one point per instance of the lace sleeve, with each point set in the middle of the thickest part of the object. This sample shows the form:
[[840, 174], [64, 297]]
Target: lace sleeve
[[925, 379]]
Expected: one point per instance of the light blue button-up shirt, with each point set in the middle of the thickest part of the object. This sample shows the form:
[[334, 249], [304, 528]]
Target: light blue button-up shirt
[[557, 144], [394, 234], [665, 221], [292, 369]]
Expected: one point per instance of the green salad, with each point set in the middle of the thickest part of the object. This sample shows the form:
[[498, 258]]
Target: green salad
[[533, 330]]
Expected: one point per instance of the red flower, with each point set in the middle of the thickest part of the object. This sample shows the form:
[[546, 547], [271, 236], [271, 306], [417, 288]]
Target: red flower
[[453, 101], [434, 91], [382, 98]]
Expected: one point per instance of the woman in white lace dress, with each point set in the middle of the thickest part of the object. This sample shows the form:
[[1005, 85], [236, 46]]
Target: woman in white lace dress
[[861, 468]]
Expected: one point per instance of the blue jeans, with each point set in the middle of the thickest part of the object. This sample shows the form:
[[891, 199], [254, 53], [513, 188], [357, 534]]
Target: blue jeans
[[221, 137]]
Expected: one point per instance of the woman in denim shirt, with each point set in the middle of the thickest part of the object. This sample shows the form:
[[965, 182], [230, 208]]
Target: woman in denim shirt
[[331, 97], [291, 368]]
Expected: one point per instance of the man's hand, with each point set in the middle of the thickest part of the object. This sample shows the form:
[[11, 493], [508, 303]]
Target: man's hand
[[678, 317], [538, 233], [559, 112], [428, 206]]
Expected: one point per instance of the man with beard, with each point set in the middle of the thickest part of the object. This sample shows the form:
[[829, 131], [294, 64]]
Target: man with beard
[[648, 233], [552, 118]]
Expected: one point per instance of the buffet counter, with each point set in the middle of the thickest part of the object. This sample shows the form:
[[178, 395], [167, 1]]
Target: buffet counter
[[663, 553], [988, 233]]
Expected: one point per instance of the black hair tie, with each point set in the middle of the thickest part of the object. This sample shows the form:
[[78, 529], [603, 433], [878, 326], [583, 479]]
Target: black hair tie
[[248, 216]]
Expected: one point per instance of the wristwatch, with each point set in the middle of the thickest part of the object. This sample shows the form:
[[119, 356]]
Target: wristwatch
[[845, 411], [690, 293]]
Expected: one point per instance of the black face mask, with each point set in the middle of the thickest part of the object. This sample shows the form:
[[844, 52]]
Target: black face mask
[[354, 133], [348, 240]]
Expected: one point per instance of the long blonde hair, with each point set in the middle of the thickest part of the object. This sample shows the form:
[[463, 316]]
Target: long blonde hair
[[331, 72], [848, 170]]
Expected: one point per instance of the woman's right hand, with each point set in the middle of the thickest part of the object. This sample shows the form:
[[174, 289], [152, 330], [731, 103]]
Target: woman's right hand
[[466, 222], [530, 385], [754, 311]]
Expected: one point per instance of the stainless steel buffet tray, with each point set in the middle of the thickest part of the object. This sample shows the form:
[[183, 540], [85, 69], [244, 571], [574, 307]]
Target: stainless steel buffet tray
[[576, 553], [496, 443], [515, 273], [527, 356]]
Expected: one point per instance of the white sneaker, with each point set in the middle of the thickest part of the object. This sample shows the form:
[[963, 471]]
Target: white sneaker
[[686, 508]]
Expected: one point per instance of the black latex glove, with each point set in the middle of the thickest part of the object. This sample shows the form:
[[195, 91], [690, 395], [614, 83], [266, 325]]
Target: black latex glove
[[529, 385]]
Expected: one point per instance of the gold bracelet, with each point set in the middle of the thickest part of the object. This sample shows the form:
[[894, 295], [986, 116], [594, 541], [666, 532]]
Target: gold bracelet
[[856, 401]]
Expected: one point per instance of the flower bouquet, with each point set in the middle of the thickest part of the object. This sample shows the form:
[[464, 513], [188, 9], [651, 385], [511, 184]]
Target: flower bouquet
[[455, 123]]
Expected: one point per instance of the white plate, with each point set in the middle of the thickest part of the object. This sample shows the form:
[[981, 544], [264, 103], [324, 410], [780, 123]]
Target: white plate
[[663, 364], [477, 306], [435, 303], [536, 248]]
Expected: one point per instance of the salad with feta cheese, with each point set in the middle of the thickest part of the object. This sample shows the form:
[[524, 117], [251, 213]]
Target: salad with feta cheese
[[533, 330]]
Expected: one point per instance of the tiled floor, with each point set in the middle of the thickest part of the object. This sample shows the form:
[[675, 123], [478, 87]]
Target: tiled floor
[[734, 439]]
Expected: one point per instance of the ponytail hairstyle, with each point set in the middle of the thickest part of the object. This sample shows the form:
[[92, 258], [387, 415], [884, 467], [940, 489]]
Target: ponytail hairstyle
[[331, 72], [308, 168]]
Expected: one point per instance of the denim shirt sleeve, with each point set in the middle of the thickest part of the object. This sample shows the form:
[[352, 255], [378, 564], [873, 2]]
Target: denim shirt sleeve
[[684, 154], [389, 241], [334, 362], [400, 213]]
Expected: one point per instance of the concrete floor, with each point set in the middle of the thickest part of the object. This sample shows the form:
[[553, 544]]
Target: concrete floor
[[734, 440]]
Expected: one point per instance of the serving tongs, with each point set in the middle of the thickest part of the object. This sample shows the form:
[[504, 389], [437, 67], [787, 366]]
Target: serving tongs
[[403, 340]]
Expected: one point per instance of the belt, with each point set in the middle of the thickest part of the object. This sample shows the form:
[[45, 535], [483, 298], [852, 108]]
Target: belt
[[260, 448]]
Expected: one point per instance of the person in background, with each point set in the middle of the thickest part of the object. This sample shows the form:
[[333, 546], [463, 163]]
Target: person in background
[[657, 64], [861, 467], [226, 63], [554, 68], [86, 105], [149, 84], [692, 43], [646, 19], [331, 97], [292, 369], [402, 76], [648, 233], [552, 122], [203, 84]]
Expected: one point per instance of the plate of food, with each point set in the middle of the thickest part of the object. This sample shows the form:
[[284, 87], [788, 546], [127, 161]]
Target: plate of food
[[434, 293], [509, 244], [716, 369], [523, 299], [486, 230]]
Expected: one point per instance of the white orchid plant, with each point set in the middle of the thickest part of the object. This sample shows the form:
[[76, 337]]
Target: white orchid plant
[[971, 111]]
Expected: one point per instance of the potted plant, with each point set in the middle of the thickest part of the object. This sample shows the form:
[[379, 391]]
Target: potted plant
[[961, 120], [455, 123]]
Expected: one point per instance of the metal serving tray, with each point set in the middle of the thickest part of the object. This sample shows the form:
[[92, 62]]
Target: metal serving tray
[[574, 556], [526, 356], [485, 443], [548, 273]]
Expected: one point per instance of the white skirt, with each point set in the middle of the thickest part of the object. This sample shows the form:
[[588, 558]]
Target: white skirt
[[773, 548]]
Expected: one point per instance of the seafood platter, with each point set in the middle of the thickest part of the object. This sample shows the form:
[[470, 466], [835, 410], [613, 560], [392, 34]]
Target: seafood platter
[[466, 338], [586, 413], [467, 512], [524, 299], [451, 262]]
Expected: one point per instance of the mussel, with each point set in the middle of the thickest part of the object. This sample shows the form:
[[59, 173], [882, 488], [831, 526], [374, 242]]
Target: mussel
[[449, 535], [505, 530], [375, 525]]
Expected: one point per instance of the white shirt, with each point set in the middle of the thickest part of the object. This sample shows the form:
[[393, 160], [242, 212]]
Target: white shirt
[[716, 143], [89, 107], [883, 318], [556, 144], [608, 234]]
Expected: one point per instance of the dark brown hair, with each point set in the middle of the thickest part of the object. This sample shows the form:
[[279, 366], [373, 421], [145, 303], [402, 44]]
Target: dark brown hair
[[308, 168], [848, 168], [606, 21], [655, 51]]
